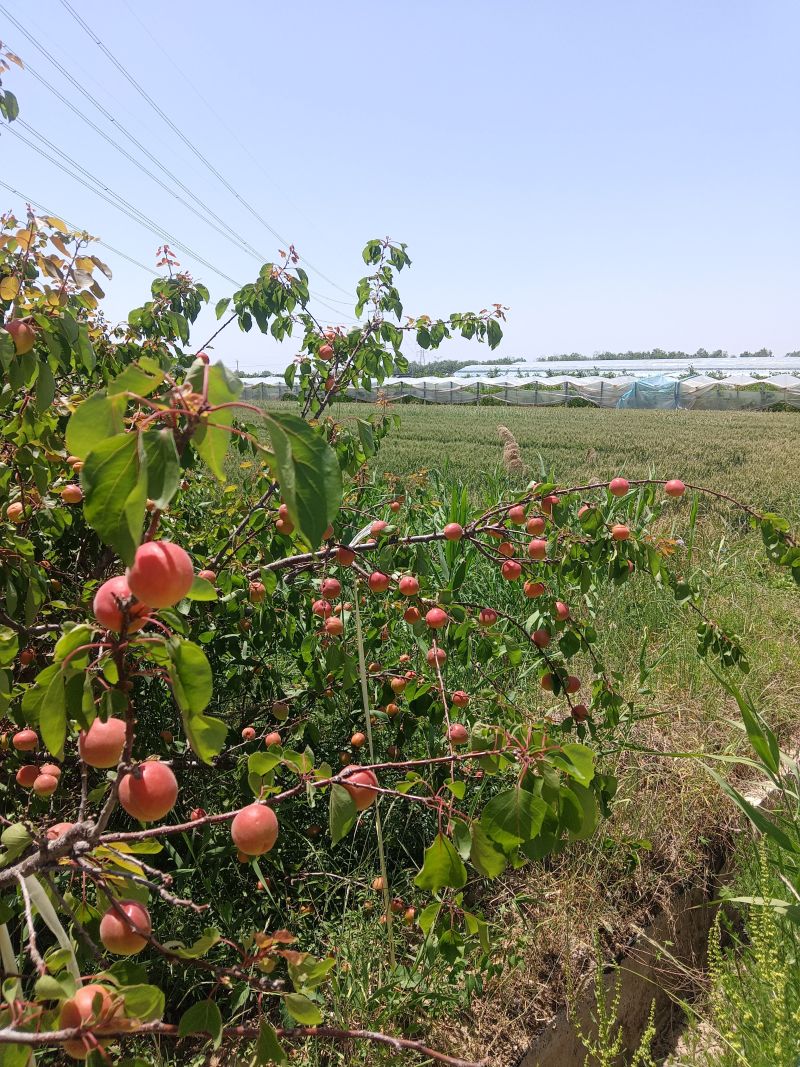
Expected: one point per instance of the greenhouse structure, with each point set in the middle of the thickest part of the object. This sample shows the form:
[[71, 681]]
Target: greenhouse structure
[[742, 391]]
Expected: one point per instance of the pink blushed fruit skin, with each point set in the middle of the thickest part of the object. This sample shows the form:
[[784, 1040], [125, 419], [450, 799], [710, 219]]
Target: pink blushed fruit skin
[[161, 575], [378, 582], [92, 1007], [102, 744], [619, 486], [453, 531], [45, 785], [58, 830], [535, 525], [119, 935], [255, 829], [533, 589], [23, 335], [408, 585], [357, 785], [541, 638], [334, 626], [436, 618], [209, 576], [27, 775], [331, 588], [620, 532], [511, 570], [516, 515], [435, 655], [562, 611], [460, 698], [487, 616], [149, 792], [458, 734], [537, 549], [345, 556], [25, 740], [107, 610], [674, 487]]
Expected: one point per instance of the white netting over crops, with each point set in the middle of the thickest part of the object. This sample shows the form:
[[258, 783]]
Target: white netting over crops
[[735, 392]]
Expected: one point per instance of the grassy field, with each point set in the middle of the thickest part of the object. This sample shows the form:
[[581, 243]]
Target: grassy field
[[749, 454], [670, 824]]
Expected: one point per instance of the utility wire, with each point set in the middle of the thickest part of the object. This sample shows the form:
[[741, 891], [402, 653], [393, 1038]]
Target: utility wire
[[189, 144], [224, 228], [105, 193], [123, 205], [72, 226]]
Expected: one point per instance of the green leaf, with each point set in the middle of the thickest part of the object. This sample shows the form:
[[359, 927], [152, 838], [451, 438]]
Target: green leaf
[[192, 685], [495, 333], [202, 1018], [199, 948], [15, 1055], [115, 486], [575, 760], [512, 818], [342, 813], [85, 350], [49, 988], [15, 840], [143, 1002], [442, 866], [142, 378], [309, 474], [72, 639], [302, 1010], [763, 740], [163, 466], [756, 816], [268, 1048], [53, 716], [45, 387], [589, 812], [485, 856], [97, 418], [211, 442], [201, 590], [428, 916], [191, 675], [9, 645]]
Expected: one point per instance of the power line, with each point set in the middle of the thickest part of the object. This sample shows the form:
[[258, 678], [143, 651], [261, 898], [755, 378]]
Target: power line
[[123, 205], [225, 231], [224, 228], [118, 201], [133, 139], [105, 244], [189, 144]]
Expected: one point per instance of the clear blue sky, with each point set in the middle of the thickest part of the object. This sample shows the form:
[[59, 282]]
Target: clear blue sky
[[624, 175]]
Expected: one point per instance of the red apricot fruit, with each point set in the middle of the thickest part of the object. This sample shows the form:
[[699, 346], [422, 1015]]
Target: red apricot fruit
[[149, 791], [25, 740], [255, 829], [102, 744], [161, 575], [358, 786], [126, 934], [113, 600]]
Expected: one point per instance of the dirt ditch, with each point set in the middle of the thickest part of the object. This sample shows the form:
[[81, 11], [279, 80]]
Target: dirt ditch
[[664, 962]]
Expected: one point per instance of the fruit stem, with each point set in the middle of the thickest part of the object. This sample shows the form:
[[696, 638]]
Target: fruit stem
[[362, 670]]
